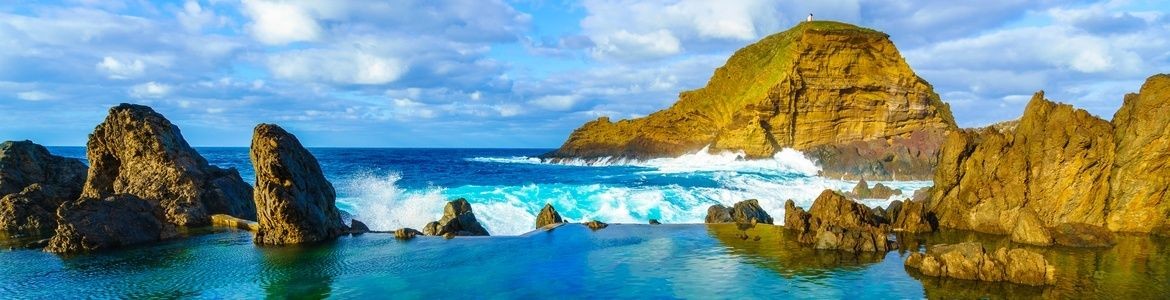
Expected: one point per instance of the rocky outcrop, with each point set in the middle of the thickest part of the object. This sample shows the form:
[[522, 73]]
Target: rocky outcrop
[[841, 93], [911, 217], [357, 227], [835, 222], [878, 191], [33, 184], [971, 261], [406, 233], [91, 224], [458, 220], [747, 211], [1056, 162], [137, 151], [1141, 175], [295, 203], [1030, 230], [596, 225], [548, 216]]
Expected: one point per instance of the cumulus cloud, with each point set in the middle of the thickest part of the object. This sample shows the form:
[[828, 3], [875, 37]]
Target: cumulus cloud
[[121, 69], [279, 23], [150, 90], [346, 66]]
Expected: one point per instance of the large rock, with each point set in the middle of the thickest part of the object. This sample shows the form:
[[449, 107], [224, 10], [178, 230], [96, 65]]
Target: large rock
[[90, 224], [1029, 229], [548, 216], [746, 212], [1055, 162], [911, 216], [458, 220], [295, 203], [841, 93], [1141, 172], [137, 151], [33, 183], [835, 222], [878, 191], [971, 261]]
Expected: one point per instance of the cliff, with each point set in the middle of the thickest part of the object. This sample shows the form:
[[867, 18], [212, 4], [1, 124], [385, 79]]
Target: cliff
[[839, 92]]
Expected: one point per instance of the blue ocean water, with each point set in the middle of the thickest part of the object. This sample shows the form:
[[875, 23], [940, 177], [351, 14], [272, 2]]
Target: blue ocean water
[[390, 188]]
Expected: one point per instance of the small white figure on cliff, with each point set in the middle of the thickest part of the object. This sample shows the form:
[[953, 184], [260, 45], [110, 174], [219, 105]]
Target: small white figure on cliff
[[809, 18]]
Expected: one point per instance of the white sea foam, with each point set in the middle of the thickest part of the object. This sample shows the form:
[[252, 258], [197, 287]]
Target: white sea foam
[[787, 160], [381, 204]]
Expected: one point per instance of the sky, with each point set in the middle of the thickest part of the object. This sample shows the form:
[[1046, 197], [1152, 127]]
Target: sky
[[519, 73]]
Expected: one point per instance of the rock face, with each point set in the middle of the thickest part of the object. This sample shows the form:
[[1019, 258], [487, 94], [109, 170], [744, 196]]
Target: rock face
[[1082, 235], [747, 212], [548, 215], [1056, 163], [295, 203], [911, 216], [33, 183], [1141, 172], [1029, 230], [835, 222], [878, 191], [137, 151], [971, 261], [458, 220], [92, 224], [841, 93]]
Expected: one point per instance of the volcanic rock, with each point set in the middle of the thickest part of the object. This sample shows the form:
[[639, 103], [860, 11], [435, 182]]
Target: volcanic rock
[[1029, 229], [357, 227], [137, 151], [406, 233], [1082, 235], [747, 211], [33, 183], [878, 191], [595, 225], [295, 203], [840, 93], [458, 220], [1141, 172], [971, 261], [911, 217], [548, 215], [90, 224], [835, 222]]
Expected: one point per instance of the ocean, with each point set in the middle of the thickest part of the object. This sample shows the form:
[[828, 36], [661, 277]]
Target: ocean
[[391, 188]]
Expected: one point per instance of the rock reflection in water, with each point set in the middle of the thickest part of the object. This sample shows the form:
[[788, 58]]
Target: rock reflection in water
[[777, 249], [300, 272]]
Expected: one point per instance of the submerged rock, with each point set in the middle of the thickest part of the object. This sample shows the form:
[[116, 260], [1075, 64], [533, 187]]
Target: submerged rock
[[1082, 235], [33, 183], [840, 93], [971, 261], [406, 233], [458, 220], [548, 215], [295, 203], [747, 211], [90, 224], [837, 223], [139, 152], [595, 225]]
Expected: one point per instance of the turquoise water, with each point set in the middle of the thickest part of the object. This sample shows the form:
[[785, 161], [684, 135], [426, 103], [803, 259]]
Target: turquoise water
[[622, 261], [394, 188]]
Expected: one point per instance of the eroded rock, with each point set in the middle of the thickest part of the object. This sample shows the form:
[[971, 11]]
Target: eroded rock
[[458, 220], [90, 224], [911, 216], [1141, 175], [595, 225], [33, 184], [747, 211], [878, 191], [406, 233], [971, 261], [295, 203], [548, 215], [837, 223]]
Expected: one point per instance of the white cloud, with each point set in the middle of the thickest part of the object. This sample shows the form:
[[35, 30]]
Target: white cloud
[[630, 46], [34, 96], [117, 69], [193, 17], [556, 102], [150, 90], [345, 66], [279, 23]]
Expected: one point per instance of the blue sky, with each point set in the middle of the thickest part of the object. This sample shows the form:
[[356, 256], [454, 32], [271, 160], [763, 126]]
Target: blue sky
[[485, 73]]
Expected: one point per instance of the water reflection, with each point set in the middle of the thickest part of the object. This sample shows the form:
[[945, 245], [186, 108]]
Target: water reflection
[[776, 249], [299, 272]]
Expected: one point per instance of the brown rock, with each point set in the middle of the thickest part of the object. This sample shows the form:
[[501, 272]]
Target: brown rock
[[33, 183], [406, 233], [971, 261], [835, 222], [357, 227], [839, 92], [95, 224], [227, 221], [139, 152], [458, 220], [294, 201], [747, 211], [1141, 175], [879, 191], [1082, 235], [912, 217], [595, 225], [548, 215], [1029, 229], [1056, 162]]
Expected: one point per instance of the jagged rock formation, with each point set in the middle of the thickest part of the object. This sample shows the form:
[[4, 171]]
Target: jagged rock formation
[[878, 191], [548, 215], [596, 225], [91, 224], [910, 216], [458, 220], [971, 261], [33, 183], [406, 233], [746, 212], [137, 151], [295, 203], [835, 222], [1056, 162], [1141, 172], [841, 93]]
